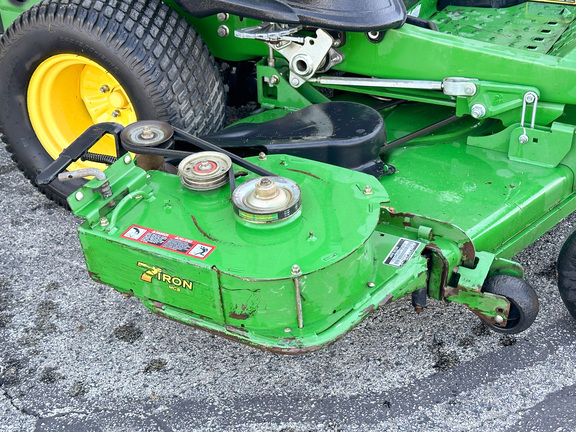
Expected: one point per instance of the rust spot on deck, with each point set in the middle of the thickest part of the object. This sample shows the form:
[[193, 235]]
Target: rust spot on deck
[[303, 172], [204, 233], [95, 277], [386, 300], [234, 315]]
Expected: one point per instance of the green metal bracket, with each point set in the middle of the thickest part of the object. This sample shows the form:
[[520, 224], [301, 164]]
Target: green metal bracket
[[469, 291], [541, 147], [435, 231], [274, 91], [123, 177], [494, 99], [545, 147]]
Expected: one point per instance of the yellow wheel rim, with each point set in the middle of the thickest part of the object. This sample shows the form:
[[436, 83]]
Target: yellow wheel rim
[[69, 93]]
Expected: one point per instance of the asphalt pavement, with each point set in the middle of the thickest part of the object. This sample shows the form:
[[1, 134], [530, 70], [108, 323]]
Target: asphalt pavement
[[78, 356]]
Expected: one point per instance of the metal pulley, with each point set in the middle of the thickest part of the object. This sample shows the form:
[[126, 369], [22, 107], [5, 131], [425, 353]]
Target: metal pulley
[[267, 199], [148, 133], [204, 170]]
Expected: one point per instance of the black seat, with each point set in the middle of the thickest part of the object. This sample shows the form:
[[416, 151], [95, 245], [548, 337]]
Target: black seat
[[346, 134], [351, 15]]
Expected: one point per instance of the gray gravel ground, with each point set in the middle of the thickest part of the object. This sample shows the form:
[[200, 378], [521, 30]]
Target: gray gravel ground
[[77, 356]]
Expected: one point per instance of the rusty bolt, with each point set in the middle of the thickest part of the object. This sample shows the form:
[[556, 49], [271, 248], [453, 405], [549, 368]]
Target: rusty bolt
[[147, 133], [367, 190]]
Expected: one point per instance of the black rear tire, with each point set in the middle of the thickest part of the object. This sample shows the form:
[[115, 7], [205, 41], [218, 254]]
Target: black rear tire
[[158, 59], [567, 273], [524, 305]]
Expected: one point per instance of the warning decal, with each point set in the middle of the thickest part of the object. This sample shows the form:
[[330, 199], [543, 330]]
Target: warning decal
[[401, 252], [168, 242]]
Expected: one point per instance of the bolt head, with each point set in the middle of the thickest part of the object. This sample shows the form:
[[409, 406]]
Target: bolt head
[[367, 190], [295, 81], [478, 111], [127, 159], [115, 113], [530, 97], [223, 31], [499, 319], [370, 284], [296, 269], [79, 196], [104, 222], [523, 139], [469, 90], [223, 17], [262, 156], [104, 89], [287, 330], [274, 79]]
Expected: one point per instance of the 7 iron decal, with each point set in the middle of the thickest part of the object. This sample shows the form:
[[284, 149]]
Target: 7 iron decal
[[168, 242]]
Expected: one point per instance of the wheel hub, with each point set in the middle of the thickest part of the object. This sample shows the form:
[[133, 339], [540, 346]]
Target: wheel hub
[[69, 93]]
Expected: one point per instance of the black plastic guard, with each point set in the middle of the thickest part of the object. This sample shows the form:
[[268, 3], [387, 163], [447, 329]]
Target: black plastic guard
[[351, 15], [345, 134], [494, 4]]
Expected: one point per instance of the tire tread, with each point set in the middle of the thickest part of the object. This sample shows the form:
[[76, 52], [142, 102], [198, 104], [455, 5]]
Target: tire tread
[[164, 53]]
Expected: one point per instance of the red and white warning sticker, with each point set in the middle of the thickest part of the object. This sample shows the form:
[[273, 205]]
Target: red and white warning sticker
[[168, 242]]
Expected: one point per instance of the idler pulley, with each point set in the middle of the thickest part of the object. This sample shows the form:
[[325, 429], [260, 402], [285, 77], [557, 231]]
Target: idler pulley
[[267, 199], [205, 170], [148, 134]]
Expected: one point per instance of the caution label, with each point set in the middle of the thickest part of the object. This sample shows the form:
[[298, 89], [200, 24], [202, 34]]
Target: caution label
[[401, 252], [168, 242]]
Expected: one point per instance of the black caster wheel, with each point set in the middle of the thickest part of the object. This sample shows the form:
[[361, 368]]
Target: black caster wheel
[[567, 273], [523, 300]]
